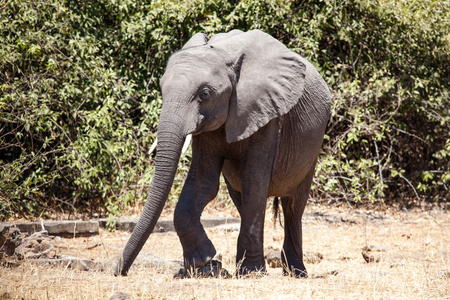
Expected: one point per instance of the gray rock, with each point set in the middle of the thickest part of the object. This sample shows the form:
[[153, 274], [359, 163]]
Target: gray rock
[[397, 265], [15, 246], [324, 275], [70, 262], [148, 260], [312, 257], [57, 228], [165, 225], [10, 239], [372, 253], [273, 259], [144, 260], [129, 224], [37, 245], [120, 296], [330, 218], [219, 221], [444, 274], [227, 227], [89, 228]]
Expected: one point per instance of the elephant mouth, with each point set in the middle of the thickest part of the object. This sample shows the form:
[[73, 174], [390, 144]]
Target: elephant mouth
[[207, 124], [203, 125]]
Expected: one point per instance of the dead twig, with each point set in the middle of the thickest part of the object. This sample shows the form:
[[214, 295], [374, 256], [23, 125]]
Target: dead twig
[[3, 4]]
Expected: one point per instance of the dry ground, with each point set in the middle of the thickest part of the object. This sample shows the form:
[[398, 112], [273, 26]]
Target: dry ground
[[414, 265]]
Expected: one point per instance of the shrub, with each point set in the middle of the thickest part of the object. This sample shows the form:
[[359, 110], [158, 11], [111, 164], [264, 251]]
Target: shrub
[[78, 111], [79, 94]]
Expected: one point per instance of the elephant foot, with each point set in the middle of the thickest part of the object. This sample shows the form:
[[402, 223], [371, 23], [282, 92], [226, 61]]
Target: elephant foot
[[296, 273], [245, 273], [211, 269], [293, 266], [251, 271]]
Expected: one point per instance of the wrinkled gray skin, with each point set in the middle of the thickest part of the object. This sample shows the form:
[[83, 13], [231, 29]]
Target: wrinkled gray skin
[[257, 112]]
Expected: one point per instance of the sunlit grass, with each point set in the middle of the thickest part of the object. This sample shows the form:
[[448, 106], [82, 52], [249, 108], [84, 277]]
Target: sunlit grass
[[414, 266]]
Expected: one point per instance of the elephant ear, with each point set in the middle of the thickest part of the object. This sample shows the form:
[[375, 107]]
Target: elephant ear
[[198, 39], [270, 80], [223, 36]]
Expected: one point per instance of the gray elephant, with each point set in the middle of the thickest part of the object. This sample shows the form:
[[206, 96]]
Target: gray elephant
[[257, 113]]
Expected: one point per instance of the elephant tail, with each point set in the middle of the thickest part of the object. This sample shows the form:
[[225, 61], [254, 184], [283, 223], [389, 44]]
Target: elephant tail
[[276, 212]]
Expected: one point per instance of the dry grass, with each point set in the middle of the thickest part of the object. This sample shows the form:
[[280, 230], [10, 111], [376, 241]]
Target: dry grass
[[414, 265]]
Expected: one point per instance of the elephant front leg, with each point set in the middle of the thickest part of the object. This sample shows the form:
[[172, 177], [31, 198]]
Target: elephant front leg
[[197, 247], [255, 176], [201, 186]]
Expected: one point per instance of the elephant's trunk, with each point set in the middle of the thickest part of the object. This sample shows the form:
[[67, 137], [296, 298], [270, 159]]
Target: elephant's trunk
[[170, 142]]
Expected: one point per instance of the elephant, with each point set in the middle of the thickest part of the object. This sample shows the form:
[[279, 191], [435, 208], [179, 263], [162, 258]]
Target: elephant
[[257, 112]]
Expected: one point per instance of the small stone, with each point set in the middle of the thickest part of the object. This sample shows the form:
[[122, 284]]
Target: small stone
[[93, 244], [381, 273], [397, 265], [444, 274], [372, 248], [273, 259], [345, 258], [372, 253], [334, 272], [369, 257], [324, 275], [120, 296], [312, 257]]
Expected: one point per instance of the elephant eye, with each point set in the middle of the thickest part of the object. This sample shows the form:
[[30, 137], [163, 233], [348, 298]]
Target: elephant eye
[[205, 94]]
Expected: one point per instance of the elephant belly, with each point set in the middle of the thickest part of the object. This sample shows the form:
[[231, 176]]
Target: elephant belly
[[230, 171], [298, 148], [296, 156], [300, 141], [292, 165], [290, 170]]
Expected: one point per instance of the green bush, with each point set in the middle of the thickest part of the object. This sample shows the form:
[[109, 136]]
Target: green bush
[[79, 99], [388, 65], [78, 108]]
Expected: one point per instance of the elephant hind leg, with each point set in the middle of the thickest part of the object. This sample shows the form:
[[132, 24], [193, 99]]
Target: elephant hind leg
[[234, 195], [292, 253], [293, 207]]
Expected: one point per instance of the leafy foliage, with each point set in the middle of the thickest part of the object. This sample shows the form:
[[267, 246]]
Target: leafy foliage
[[388, 64], [79, 94], [75, 108]]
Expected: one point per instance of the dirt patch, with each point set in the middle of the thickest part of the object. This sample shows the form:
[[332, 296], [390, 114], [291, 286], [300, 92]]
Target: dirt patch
[[410, 260]]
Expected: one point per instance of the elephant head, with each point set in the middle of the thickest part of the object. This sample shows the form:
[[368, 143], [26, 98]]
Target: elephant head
[[237, 80]]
